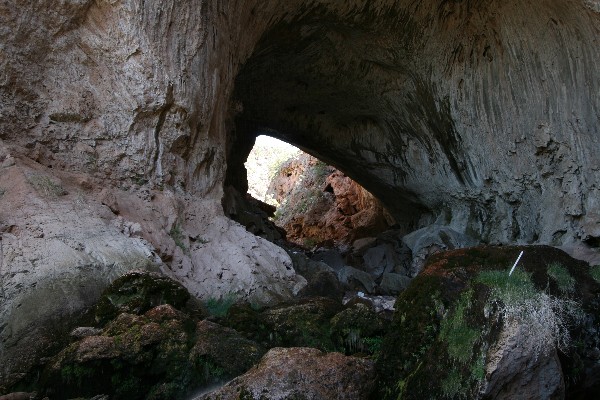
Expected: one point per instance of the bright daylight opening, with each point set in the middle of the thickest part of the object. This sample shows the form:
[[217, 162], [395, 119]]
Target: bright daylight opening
[[316, 204]]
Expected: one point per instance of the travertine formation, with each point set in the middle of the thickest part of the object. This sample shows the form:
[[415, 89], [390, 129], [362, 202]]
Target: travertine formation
[[121, 121]]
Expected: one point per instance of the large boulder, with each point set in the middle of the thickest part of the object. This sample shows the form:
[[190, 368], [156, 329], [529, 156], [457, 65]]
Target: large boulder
[[433, 239], [160, 354], [464, 328], [301, 373], [137, 292]]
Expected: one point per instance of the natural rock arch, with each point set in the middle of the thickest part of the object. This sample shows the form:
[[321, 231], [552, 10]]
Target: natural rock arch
[[471, 113], [120, 118]]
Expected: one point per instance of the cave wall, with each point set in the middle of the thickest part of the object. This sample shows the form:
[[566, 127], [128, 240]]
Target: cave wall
[[481, 113]]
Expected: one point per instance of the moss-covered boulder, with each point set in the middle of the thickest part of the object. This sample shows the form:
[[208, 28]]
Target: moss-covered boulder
[[306, 323], [135, 357], [137, 292], [466, 329], [221, 353], [162, 354], [358, 329]]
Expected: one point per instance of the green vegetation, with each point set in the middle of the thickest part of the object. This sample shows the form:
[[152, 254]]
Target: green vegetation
[[178, 237], [517, 299], [595, 273], [373, 344], [2, 191], [138, 292], [321, 170], [561, 276], [46, 186], [309, 242], [457, 333], [75, 374], [452, 385], [220, 307], [508, 289], [211, 372]]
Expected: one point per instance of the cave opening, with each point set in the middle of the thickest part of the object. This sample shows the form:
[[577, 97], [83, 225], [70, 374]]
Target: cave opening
[[316, 204], [357, 100], [317, 83], [324, 219]]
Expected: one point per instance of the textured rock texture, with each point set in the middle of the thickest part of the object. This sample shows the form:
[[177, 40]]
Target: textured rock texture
[[291, 373], [321, 205], [160, 354], [480, 114]]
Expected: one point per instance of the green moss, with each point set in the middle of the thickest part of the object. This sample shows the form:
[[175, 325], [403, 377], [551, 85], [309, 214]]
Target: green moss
[[561, 276], [220, 307], [510, 289], [373, 344], [595, 273], [478, 368], [413, 332], [357, 329], [457, 333], [453, 386], [76, 374], [210, 371], [137, 292]]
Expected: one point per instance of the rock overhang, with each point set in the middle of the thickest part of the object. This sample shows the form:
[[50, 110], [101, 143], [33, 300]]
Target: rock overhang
[[472, 112]]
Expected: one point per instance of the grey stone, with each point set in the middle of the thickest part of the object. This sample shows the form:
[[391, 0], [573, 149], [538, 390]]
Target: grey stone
[[363, 243], [381, 259], [515, 371], [354, 278], [331, 257], [392, 284], [433, 239]]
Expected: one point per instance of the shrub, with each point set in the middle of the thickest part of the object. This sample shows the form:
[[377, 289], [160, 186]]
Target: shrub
[[516, 299], [178, 237], [46, 186]]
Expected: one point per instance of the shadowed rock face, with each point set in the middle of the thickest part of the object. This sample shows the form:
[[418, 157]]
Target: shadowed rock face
[[482, 115]]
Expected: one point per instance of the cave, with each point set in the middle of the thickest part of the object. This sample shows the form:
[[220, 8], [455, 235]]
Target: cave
[[408, 99], [124, 127], [316, 205]]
